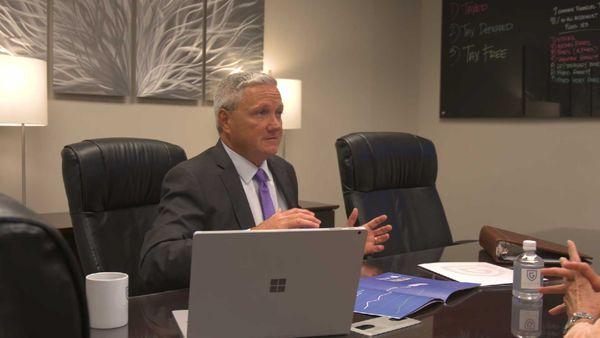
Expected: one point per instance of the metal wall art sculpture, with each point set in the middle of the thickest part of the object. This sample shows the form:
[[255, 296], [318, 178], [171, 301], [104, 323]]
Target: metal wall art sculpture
[[92, 47], [234, 39], [169, 48], [182, 47], [23, 28]]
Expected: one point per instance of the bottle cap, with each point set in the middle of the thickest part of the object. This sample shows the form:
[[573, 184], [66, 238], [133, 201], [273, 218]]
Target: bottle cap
[[529, 245]]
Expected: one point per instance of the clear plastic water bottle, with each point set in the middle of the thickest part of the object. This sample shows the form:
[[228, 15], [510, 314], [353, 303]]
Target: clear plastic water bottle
[[526, 273]]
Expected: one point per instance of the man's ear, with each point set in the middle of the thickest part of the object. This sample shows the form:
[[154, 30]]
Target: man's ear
[[223, 116]]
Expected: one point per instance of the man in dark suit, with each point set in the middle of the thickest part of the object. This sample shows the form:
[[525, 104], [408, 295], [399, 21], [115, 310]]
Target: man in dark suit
[[239, 183]]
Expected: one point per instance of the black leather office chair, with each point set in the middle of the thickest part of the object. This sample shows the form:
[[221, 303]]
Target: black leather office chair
[[394, 174], [41, 287], [113, 187]]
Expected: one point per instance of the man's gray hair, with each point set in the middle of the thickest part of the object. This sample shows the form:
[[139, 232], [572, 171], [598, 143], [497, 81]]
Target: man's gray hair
[[229, 91]]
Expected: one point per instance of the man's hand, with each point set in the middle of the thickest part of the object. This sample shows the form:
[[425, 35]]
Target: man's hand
[[577, 287], [585, 270], [580, 297], [376, 234], [290, 219], [579, 294]]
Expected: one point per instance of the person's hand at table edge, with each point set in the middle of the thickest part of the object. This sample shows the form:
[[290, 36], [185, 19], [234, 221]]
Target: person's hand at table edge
[[290, 219]]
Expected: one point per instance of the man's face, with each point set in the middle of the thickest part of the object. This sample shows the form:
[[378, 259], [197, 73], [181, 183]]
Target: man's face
[[254, 129]]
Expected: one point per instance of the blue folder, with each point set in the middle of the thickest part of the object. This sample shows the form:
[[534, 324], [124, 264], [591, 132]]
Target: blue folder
[[397, 296]]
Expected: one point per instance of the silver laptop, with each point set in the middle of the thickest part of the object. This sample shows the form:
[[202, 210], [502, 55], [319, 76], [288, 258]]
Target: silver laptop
[[276, 283]]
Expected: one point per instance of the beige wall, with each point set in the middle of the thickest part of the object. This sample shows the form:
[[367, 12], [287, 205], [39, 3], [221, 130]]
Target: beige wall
[[526, 175], [353, 78]]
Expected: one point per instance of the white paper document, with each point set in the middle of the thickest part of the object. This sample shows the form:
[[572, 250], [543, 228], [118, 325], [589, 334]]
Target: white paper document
[[472, 272], [181, 317]]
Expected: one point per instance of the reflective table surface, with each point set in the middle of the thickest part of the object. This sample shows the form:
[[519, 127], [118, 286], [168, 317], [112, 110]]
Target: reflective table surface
[[482, 312]]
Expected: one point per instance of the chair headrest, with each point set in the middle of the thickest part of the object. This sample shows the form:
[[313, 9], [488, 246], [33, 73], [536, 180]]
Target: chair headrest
[[10, 209], [115, 173], [385, 160], [38, 268]]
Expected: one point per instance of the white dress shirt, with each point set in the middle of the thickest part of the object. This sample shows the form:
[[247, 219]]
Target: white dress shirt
[[247, 170]]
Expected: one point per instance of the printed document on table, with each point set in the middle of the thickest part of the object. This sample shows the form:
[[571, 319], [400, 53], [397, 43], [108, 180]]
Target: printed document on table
[[472, 272]]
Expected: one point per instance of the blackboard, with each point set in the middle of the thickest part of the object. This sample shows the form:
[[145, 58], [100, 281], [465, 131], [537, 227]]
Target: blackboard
[[520, 58]]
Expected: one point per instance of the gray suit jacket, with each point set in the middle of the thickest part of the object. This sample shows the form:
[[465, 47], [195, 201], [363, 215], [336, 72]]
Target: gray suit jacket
[[202, 193]]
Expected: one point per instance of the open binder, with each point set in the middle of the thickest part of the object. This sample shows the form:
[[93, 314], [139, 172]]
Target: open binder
[[504, 246]]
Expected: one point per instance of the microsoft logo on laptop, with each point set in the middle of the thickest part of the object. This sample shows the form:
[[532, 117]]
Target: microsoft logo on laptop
[[278, 285]]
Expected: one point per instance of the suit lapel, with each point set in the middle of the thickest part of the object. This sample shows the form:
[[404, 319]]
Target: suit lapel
[[231, 180], [283, 183]]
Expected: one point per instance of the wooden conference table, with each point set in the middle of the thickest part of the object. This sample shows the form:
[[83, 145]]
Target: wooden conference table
[[483, 312]]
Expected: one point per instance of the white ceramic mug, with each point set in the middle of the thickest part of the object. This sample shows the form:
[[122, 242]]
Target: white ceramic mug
[[107, 299]]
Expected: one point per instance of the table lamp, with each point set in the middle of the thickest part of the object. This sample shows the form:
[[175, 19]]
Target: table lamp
[[291, 95], [23, 99]]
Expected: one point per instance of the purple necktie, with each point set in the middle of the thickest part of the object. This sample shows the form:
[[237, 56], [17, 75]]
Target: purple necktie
[[266, 203]]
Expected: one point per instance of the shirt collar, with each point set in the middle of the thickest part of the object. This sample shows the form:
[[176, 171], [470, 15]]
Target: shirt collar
[[245, 168]]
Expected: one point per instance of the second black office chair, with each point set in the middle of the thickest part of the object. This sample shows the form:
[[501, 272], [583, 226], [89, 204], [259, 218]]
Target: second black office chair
[[113, 187], [41, 286], [394, 174]]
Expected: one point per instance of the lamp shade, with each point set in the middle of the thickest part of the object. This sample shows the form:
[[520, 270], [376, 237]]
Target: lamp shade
[[291, 95], [23, 91]]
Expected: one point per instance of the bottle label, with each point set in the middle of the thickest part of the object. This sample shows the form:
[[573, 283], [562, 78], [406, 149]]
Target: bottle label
[[530, 279], [529, 320]]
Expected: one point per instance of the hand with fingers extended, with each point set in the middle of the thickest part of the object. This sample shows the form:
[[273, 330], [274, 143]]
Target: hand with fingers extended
[[586, 271], [377, 234], [577, 287], [290, 219]]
